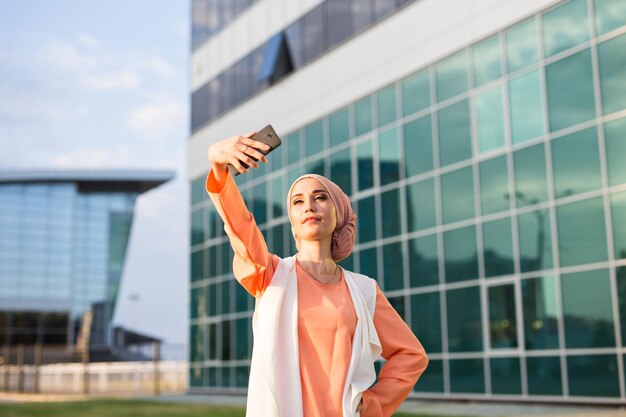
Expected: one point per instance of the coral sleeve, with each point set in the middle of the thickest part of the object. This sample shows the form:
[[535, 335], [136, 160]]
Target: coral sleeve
[[406, 361], [253, 265]]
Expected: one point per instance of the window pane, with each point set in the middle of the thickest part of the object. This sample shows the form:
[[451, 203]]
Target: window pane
[[464, 325], [197, 226], [587, 309], [426, 320], [362, 14], [490, 119], [612, 63], [544, 375], [431, 381], [565, 26], [393, 266], [418, 147], [259, 205], [423, 261], [415, 93], [451, 76], [339, 21], [339, 126], [198, 303], [581, 232], [535, 241], [363, 115], [570, 91], [498, 247], [197, 266], [593, 375], [521, 45], [576, 163], [530, 176], [487, 61], [386, 99], [389, 154], [454, 133], [369, 263], [197, 348], [340, 170], [366, 215], [461, 258], [610, 14], [494, 185], [365, 164], [618, 214], [390, 205], [293, 146], [457, 194], [506, 376], [314, 33], [526, 107], [314, 138], [615, 139], [541, 313], [620, 273], [420, 204], [502, 321], [467, 375]]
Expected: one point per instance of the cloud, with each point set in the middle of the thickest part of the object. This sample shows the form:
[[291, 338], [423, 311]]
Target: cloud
[[159, 119]]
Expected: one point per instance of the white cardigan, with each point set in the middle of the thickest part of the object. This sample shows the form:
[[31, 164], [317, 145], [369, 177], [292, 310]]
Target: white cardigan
[[274, 388]]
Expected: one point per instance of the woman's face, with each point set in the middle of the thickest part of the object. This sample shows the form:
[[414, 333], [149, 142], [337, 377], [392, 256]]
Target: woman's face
[[312, 212]]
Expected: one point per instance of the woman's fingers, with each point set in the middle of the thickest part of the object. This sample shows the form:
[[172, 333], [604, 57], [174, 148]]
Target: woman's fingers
[[246, 159], [256, 144]]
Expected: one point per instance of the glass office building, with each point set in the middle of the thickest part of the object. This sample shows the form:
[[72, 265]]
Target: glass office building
[[482, 145], [63, 240]]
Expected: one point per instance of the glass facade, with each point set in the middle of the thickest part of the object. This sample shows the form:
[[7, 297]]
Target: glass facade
[[62, 250], [495, 212]]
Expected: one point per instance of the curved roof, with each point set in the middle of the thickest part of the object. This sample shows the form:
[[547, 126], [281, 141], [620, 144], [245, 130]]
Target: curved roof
[[107, 180]]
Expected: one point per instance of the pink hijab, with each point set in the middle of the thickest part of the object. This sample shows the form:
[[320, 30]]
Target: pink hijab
[[345, 232]]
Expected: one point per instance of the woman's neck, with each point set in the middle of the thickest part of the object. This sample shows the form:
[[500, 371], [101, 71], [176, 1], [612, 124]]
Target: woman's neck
[[316, 257]]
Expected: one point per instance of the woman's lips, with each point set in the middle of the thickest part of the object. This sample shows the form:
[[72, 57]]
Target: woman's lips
[[311, 219]]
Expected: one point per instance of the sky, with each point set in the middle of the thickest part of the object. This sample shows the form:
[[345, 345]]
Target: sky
[[104, 84]]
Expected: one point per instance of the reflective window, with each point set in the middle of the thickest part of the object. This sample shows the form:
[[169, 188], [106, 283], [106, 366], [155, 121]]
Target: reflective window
[[618, 214], [259, 205], [393, 266], [339, 21], [502, 320], [278, 240], [197, 226], [582, 238], [363, 116], [505, 376], [278, 197], [196, 266], [576, 163], [420, 205], [369, 263], [498, 247], [593, 375], [390, 205], [366, 215], [418, 147], [197, 342], [535, 241], [544, 375], [615, 139], [314, 138], [610, 14], [521, 45], [570, 91], [316, 166], [451, 76], [340, 170], [541, 313], [461, 258], [415, 93], [494, 185], [431, 381], [457, 195], [386, 99], [212, 260], [490, 119], [382, 8], [389, 154], [464, 325], [565, 26], [526, 107], [487, 61], [314, 29], [423, 261], [620, 273], [293, 147], [454, 133], [294, 34], [362, 14], [612, 63], [365, 164], [587, 309], [530, 176], [339, 127], [467, 376], [211, 297], [226, 340], [426, 320], [241, 298]]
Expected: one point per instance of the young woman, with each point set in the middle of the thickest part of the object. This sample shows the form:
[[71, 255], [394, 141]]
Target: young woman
[[318, 328]]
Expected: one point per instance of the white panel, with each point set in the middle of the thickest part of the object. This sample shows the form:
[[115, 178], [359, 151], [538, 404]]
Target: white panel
[[422, 33]]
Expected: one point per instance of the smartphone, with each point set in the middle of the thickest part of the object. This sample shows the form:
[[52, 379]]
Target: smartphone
[[266, 135]]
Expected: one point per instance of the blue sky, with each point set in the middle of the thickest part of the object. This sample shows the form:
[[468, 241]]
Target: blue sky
[[104, 84]]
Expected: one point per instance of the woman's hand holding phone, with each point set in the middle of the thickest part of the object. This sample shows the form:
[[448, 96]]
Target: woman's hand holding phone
[[234, 151]]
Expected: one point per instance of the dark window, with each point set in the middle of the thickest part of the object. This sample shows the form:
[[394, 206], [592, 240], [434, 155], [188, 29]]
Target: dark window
[[294, 42], [314, 30], [340, 25], [361, 14], [383, 7]]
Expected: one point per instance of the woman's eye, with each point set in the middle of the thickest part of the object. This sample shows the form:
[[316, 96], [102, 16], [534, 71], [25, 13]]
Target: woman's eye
[[296, 202]]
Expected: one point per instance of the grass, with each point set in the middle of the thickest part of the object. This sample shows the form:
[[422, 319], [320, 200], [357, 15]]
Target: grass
[[125, 408]]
